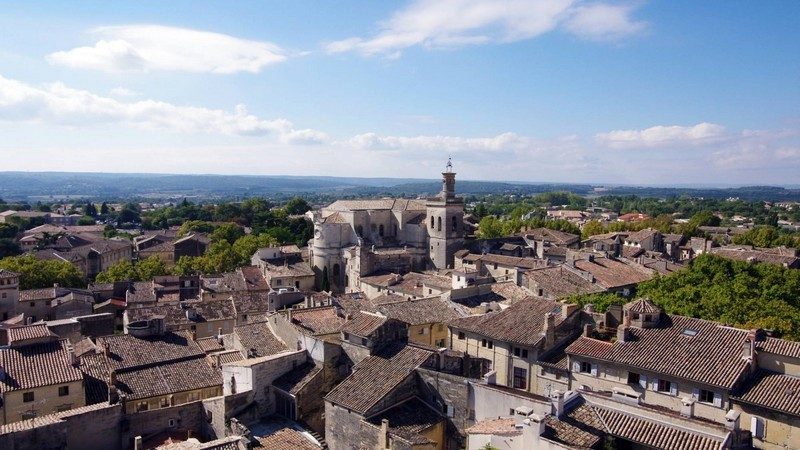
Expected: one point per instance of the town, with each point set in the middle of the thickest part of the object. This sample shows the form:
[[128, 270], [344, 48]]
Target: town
[[402, 323]]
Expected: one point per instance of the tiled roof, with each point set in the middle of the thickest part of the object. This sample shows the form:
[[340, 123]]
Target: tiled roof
[[773, 390], [258, 337], [409, 420], [363, 324], [49, 419], [335, 218], [387, 298], [653, 434], [520, 323], [37, 365], [129, 351], [742, 254], [168, 378], [398, 204], [251, 302], [29, 332], [510, 261], [287, 439], [611, 273], [224, 357], [294, 380], [210, 344], [709, 353], [376, 376], [176, 314], [780, 347], [319, 320], [40, 294], [643, 306], [559, 282], [421, 311], [554, 236], [254, 279], [495, 427], [639, 236]]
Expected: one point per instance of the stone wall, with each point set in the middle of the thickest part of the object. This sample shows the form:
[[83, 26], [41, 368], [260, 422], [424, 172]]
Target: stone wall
[[450, 395], [190, 416], [345, 430], [95, 427]]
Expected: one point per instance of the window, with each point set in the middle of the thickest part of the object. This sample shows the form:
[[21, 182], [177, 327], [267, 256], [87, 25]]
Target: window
[[635, 316], [495, 266], [490, 344], [706, 396], [279, 282], [4, 295], [363, 341], [430, 291], [142, 406], [517, 351], [461, 335], [455, 224], [432, 227], [164, 402], [346, 336], [421, 331], [520, 378], [27, 397], [171, 423], [586, 367], [633, 378], [439, 224], [664, 386], [63, 391], [33, 304]]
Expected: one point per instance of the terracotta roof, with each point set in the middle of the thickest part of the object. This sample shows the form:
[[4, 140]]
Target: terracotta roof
[[780, 347], [510, 261], [641, 235], [409, 420], [41, 294], [29, 332], [363, 324], [287, 439], [36, 365], [495, 427], [398, 204], [554, 236], [579, 428], [643, 306], [210, 344], [742, 254], [294, 380], [176, 314], [709, 352], [168, 378], [253, 278], [320, 320], [376, 376], [611, 273], [421, 311], [258, 337], [559, 282], [225, 357], [774, 391], [521, 323], [126, 351], [335, 218]]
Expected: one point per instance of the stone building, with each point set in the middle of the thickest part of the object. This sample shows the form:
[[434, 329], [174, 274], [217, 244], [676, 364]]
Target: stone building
[[359, 237]]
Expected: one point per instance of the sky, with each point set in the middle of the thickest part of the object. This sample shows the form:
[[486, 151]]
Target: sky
[[608, 92]]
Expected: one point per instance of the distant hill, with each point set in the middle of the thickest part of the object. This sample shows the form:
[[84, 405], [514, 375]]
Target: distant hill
[[33, 186]]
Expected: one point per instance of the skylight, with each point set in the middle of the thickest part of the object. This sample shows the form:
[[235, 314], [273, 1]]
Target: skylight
[[689, 332]]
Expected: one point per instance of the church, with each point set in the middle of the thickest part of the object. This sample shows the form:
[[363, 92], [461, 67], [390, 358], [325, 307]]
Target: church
[[355, 238]]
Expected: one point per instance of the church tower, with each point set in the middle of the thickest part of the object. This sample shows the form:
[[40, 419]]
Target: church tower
[[445, 221]]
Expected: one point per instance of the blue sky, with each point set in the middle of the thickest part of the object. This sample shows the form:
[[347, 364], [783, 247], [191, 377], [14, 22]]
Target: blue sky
[[642, 92]]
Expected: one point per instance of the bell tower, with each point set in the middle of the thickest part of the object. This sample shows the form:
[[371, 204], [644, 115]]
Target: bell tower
[[445, 221]]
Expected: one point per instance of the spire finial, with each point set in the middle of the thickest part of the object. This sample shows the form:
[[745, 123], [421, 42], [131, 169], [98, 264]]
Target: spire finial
[[449, 167]]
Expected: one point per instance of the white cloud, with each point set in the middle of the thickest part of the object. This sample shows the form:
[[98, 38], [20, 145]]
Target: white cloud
[[161, 48], [59, 104], [451, 144], [659, 136], [122, 92], [455, 23]]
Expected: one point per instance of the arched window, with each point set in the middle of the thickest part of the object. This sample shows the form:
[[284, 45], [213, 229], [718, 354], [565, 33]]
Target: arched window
[[380, 230], [336, 273], [439, 224], [431, 222], [454, 226]]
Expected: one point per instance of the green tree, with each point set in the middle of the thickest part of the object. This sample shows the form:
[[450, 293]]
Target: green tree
[[297, 205], [490, 227], [104, 209], [148, 268], [121, 271], [37, 273], [86, 220], [592, 228], [90, 210], [228, 232], [195, 226]]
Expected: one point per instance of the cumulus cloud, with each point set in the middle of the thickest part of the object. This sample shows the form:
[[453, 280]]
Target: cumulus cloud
[[451, 144], [122, 92], [144, 48], [455, 23], [59, 104], [660, 136]]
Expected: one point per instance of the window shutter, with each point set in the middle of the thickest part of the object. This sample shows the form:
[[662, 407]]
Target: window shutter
[[757, 427], [695, 393], [450, 412], [654, 384], [594, 370], [717, 400], [576, 366], [673, 389], [643, 381]]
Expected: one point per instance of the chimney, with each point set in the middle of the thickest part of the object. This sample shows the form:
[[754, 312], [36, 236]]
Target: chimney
[[490, 377], [217, 362], [567, 309], [219, 336], [557, 401], [289, 314], [383, 439], [622, 330], [137, 443], [687, 407], [732, 420], [549, 329], [588, 329]]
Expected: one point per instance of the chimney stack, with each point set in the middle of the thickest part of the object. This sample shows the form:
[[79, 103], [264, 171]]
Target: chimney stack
[[588, 329], [558, 403], [219, 336], [137, 443], [383, 440], [622, 330], [549, 329]]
